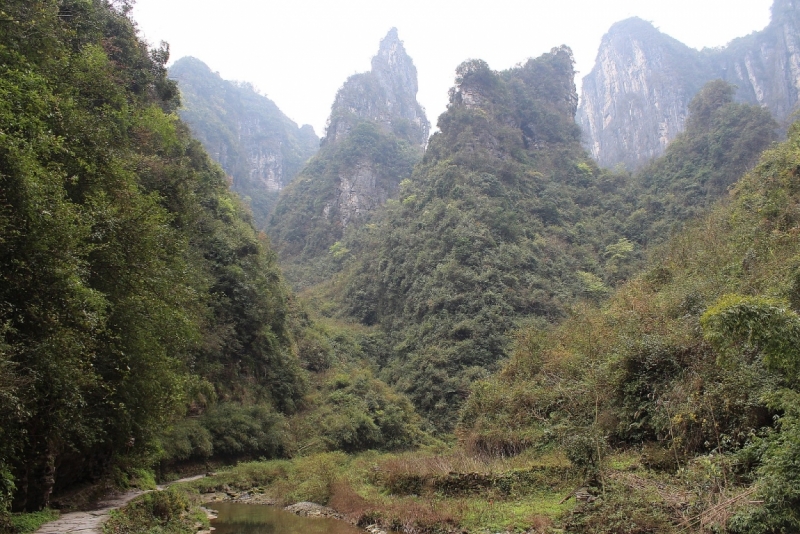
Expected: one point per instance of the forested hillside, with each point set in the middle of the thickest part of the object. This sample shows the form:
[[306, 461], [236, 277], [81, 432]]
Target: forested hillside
[[723, 139], [259, 147], [507, 220], [132, 282], [376, 133], [694, 361]]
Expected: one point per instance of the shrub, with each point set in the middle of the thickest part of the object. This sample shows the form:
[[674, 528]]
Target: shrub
[[164, 512], [238, 430]]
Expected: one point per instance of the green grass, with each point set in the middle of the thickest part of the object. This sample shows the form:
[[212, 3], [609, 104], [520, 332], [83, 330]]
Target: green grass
[[30, 522], [517, 515], [159, 512], [624, 460], [357, 485]]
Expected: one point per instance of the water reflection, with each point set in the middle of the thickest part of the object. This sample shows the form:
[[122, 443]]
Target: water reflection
[[237, 518]]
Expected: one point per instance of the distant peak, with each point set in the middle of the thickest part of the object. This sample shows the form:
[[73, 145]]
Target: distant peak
[[633, 24], [782, 9], [391, 35], [191, 60], [393, 64], [390, 53]]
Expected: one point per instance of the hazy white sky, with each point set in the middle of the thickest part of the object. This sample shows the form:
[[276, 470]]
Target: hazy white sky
[[299, 52]]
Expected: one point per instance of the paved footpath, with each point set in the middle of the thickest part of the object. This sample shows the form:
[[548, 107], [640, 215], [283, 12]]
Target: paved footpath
[[91, 522]]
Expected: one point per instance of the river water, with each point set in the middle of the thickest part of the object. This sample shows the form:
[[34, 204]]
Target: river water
[[237, 518]]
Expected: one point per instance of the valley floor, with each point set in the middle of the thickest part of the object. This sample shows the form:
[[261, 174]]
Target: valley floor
[[450, 491]]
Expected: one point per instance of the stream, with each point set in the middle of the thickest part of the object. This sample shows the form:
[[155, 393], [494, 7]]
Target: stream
[[237, 518]]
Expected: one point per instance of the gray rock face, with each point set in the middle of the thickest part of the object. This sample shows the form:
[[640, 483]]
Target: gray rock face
[[635, 99], [259, 147], [765, 66], [376, 133], [359, 193], [386, 95]]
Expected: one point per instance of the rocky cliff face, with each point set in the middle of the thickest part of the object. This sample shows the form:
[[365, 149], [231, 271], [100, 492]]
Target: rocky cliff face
[[765, 66], [376, 132], [635, 99], [259, 147], [386, 95]]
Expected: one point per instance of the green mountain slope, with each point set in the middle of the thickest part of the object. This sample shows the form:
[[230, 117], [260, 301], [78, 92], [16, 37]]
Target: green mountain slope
[[722, 141], [488, 230], [376, 133], [506, 220], [695, 362], [132, 282], [259, 147]]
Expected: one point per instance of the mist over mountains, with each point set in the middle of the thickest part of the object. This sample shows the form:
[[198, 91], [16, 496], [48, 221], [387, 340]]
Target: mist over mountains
[[635, 100], [486, 329]]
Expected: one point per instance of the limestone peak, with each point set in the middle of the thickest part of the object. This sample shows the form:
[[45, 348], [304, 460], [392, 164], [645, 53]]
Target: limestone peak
[[386, 95]]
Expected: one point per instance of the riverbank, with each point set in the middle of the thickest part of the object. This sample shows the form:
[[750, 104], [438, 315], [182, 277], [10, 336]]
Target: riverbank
[[449, 491], [92, 521], [420, 492]]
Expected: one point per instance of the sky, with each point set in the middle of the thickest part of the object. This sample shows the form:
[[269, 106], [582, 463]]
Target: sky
[[300, 52]]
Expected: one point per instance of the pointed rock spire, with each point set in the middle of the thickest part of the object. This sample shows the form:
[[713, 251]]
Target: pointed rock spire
[[386, 95]]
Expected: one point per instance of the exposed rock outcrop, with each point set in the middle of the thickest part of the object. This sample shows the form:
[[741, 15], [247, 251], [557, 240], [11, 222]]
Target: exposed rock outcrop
[[311, 509], [635, 99], [376, 132], [386, 95], [259, 147]]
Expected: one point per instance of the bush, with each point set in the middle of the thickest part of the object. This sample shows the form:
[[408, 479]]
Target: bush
[[238, 430], [163, 512], [359, 412], [229, 430], [314, 477], [779, 475], [188, 439]]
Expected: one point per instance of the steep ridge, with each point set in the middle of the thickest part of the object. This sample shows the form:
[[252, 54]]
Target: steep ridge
[[635, 99], [386, 95], [132, 282], [694, 363], [722, 140], [507, 220], [487, 231], [376, 133], [259, 147]]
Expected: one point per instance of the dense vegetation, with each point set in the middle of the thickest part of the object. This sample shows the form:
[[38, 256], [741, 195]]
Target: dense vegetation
[[723, 139], [258, 146], [132, 283], [313, 210], [376, 133], [695, 361], [135, 291], [506, 220]]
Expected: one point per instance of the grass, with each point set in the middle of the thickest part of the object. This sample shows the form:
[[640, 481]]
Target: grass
[[456, 491], [23, 523], [447, 490], [624, 460], [159, 512], [538, 511]]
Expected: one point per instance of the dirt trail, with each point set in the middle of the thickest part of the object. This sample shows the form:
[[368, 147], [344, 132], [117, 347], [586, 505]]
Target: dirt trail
[[91, 522]]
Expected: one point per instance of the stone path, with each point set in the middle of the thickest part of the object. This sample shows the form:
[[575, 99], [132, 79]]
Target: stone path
[[91, 522]]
